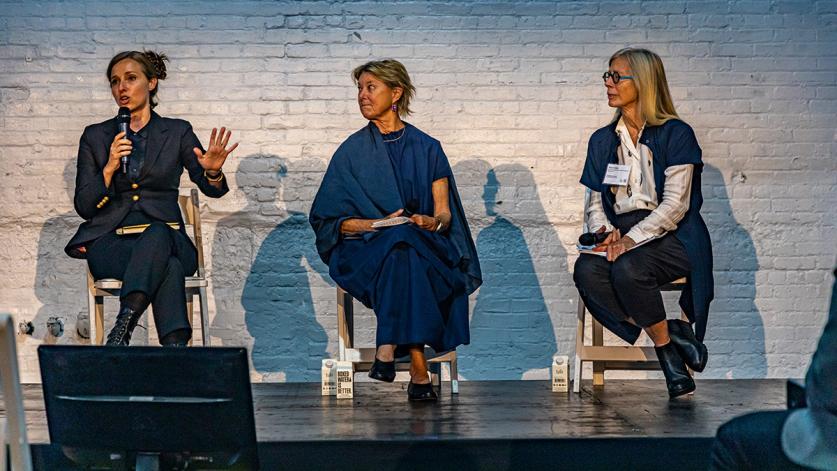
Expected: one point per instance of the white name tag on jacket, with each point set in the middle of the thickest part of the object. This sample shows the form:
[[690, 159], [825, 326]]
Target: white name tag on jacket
[[617, 174]]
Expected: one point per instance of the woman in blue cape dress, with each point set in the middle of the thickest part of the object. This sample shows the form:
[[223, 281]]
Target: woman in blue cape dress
[[415, 276]]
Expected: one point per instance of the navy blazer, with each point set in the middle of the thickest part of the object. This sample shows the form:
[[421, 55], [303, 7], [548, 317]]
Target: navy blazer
[[168, 152], [672, 143]]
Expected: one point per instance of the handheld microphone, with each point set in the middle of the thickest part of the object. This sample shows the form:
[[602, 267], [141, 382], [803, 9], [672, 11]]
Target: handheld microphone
[[123, 119], [592, 238]]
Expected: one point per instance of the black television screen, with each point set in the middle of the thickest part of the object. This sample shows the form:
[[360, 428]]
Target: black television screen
[[182, 404]]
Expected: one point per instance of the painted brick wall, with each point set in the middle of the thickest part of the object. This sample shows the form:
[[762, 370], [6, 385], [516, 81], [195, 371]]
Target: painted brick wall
[[513, 92]]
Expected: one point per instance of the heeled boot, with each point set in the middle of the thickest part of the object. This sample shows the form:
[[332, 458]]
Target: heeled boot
[[692, 350], [126, 321], [678, 380]]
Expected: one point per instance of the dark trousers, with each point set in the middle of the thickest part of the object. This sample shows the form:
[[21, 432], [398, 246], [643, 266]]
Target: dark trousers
[[630, 286], [752, 442], [154, 263]]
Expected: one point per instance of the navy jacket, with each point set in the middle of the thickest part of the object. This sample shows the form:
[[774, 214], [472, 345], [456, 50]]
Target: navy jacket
[[168, 152], [672, 143]]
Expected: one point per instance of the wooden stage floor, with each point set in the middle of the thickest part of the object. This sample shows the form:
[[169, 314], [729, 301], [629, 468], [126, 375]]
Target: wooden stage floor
[[488, 425]]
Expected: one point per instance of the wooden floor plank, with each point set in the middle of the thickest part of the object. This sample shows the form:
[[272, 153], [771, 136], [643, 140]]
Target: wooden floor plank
[[487, 410]]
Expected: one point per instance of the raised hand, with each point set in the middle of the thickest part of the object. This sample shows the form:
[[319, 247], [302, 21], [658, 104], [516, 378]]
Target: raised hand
[[216, 152]]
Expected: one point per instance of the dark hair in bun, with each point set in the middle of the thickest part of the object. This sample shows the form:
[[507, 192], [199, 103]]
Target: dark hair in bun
[[153, 66]]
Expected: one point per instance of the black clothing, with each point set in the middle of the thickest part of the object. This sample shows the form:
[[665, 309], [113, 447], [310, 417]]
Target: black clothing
[[752, 442], [630, 286], [154, 262], [168, 151]]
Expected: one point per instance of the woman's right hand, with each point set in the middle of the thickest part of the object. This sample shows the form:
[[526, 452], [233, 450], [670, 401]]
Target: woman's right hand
[[611, 238], [121, 146]]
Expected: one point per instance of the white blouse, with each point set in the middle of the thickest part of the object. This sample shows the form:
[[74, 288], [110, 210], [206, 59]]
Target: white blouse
[[641, 193]]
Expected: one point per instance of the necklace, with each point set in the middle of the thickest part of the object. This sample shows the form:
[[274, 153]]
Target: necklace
[[403, 131]]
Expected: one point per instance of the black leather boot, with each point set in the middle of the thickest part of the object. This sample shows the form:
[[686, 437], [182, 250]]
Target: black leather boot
[[678, 380], [383, 370], [125, 323], [692, 350]]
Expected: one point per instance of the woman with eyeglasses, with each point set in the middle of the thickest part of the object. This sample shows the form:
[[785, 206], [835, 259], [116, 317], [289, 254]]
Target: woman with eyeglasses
[[643, 171]]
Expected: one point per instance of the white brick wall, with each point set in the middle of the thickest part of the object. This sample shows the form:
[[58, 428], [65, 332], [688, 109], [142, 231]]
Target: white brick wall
[[512, 87]]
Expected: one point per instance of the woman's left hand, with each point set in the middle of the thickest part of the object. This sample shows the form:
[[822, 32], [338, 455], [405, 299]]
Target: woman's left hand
[[217, 151], [428, 223], [619, 247]]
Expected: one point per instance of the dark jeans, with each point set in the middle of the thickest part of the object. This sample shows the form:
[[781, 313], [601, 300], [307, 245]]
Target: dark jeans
[[155, 263], [630, 286], [752, 442]]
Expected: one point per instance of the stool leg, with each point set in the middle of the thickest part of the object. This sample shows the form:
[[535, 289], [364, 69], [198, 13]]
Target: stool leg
[[578, 364], [98, 336], [202, 299], [598, 367], [454, 376], [190, 311]]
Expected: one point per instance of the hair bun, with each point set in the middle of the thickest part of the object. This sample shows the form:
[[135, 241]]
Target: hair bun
[[158, 61]]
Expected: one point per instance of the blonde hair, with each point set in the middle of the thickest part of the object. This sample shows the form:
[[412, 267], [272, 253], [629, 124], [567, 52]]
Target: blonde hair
[[394, 75], [655, 104]]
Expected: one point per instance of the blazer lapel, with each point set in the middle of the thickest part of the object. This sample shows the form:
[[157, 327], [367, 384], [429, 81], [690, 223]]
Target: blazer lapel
[[157, 137]]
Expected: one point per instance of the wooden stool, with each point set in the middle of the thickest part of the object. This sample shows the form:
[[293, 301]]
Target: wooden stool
[[612, 357], [362, 358]]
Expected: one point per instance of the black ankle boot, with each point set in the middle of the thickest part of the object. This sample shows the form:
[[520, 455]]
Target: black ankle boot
[[692, 350], [125, 323], [677, 376]]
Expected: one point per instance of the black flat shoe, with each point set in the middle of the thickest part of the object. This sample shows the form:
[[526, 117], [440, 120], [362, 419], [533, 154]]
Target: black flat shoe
[[692, 350], [421, 392], [678, 380], [383, 370], [126, 321]]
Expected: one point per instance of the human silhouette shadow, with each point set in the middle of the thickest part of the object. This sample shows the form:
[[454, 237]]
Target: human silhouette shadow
[[60, 281], [269, 263], [735, 332], [512, 333]]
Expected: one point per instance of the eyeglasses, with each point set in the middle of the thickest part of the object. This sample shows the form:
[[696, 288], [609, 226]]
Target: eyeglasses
[[615, 76]]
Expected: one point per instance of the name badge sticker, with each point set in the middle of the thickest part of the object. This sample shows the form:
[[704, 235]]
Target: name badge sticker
[[617, 174]]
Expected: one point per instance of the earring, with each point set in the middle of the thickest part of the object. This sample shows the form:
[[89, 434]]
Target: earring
[[394, 107]]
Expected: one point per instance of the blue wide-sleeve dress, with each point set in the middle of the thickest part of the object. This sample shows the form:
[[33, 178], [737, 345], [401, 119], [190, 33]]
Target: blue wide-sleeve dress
[[416, 281]]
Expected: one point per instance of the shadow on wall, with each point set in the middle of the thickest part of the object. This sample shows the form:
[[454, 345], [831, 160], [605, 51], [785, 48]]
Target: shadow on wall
[[512, 333], [270, 267], [60, 281], [736, 329]]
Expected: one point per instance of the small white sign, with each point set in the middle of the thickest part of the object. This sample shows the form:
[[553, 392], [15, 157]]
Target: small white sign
[[345, 380], [329, 377], [617, 174], [560, 373]]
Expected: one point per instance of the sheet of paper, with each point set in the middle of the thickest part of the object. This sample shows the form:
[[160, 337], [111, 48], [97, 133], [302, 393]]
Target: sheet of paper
[[398, 220]]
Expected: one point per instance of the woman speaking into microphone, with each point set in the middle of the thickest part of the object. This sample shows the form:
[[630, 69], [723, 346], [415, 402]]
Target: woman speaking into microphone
[[133, 230]]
